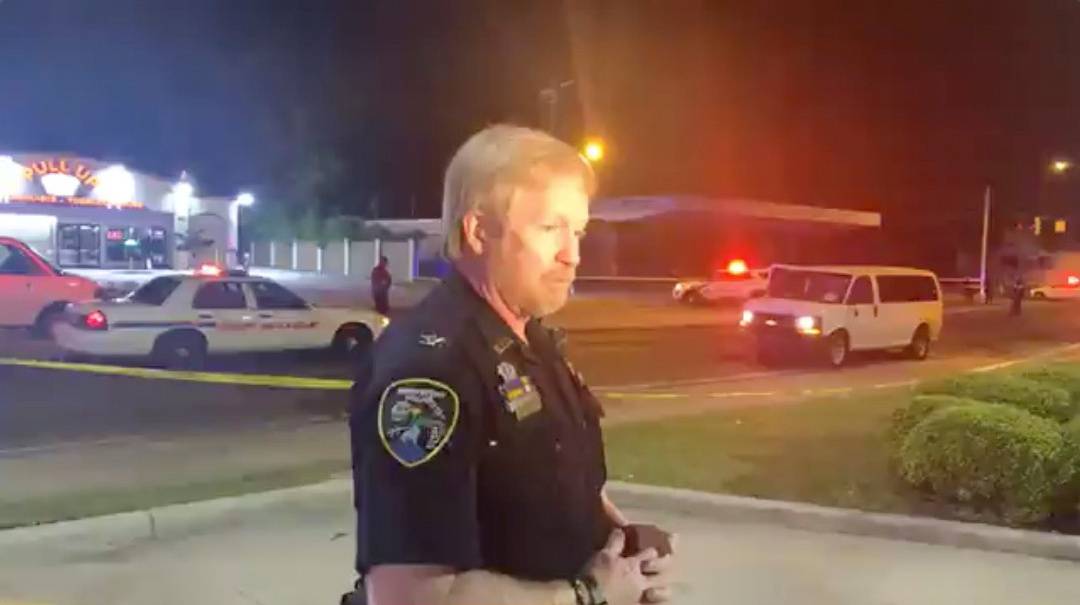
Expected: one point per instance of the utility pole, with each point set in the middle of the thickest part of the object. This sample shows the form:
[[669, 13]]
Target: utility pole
[[549, 105], [985, 243]]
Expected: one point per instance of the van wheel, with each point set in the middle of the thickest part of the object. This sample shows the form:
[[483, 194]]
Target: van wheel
[[919, 348], [180, 351], [837, 349]]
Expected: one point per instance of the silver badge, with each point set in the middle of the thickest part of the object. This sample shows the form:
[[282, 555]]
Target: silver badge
[[507, 372], [430, 339]]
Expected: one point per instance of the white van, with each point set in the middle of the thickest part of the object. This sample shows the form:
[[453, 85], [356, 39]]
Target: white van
[[838, 309]]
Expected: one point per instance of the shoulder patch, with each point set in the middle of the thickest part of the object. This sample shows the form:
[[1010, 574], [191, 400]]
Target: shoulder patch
[[416, 418]]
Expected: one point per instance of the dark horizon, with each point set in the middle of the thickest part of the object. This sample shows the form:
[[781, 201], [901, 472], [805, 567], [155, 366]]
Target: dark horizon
[[908, 110]]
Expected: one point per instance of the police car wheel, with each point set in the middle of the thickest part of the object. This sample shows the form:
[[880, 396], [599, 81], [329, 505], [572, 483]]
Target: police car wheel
[[180, 351], [352, 340], [43, 326]]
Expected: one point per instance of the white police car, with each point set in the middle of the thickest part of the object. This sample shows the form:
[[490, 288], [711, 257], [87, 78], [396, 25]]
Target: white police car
[[737, 283], [177, 320]]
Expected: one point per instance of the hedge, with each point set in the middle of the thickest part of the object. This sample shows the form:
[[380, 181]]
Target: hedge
[[994, 457], [1040, 399]]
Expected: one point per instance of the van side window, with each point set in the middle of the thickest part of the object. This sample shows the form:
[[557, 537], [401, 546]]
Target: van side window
[[907, 288], [862, 293]]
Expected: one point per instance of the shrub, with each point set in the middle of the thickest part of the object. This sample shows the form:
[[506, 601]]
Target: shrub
[[1071, 463], [1040, 399], [989, 456], [906, 418], [1062, 375]]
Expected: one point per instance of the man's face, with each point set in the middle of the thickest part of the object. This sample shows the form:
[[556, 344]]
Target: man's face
[[534, 257]]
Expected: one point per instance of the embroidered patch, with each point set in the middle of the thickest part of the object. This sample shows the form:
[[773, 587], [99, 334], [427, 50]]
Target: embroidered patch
[[416, 418]]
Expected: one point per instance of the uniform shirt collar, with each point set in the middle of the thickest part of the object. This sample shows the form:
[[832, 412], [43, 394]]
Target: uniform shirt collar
[[495, 331]]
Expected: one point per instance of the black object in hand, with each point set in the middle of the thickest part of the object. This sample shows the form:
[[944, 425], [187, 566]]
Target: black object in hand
[[644, 537]]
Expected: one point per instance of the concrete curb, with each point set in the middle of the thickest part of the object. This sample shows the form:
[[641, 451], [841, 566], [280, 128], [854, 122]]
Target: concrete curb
[[811, 517], [124, 529], [162, 523]]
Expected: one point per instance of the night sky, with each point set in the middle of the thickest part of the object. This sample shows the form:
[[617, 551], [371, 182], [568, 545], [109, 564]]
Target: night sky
[[905, 107]]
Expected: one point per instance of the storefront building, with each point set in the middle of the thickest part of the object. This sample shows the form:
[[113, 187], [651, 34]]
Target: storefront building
[[85, 214]]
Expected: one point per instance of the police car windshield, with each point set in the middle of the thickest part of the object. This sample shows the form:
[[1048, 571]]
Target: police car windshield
[[816, 286], [155, 292]]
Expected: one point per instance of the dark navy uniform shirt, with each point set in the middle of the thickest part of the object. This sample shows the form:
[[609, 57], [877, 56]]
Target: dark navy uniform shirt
[[472, 449]]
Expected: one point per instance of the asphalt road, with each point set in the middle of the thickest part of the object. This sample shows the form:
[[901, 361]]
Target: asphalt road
[[43, 407]]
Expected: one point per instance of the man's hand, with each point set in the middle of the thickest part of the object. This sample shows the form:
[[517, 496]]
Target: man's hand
[[641, 578]]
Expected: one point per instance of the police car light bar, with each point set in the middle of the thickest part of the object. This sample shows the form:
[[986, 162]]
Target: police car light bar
[[209, 270]]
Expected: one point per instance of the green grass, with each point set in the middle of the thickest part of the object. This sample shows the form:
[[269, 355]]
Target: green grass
[[830, 451], [77, 505]]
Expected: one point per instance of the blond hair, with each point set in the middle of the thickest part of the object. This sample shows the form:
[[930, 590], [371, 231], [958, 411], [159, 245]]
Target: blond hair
[[496, 162]]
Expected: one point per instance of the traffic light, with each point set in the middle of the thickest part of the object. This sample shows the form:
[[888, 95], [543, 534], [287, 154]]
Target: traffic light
[[1060, 226], [1038, 225]]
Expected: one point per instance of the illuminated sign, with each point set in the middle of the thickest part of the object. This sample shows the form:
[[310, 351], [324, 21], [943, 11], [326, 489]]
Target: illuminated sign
[[115, 235], [58, 166], [56, 200]]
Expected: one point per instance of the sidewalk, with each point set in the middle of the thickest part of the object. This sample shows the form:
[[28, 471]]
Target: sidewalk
[[296, 548]]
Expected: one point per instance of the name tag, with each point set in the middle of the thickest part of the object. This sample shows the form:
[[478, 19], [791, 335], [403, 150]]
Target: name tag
[[518, 392]]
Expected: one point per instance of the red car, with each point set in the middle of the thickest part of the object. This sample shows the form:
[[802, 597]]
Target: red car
[[33, 291]]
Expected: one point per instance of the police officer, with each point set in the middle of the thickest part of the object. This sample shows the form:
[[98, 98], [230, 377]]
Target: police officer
[[1019, 291], [478, 463]]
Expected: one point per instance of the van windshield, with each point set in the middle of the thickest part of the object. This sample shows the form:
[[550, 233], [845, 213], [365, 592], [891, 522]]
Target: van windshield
[[816, 286]]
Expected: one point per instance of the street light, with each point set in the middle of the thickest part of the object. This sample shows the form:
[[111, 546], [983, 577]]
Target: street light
[[1060, 166], [245, 199], [12, 180], [593, 150], [182, 194], [116, 185]]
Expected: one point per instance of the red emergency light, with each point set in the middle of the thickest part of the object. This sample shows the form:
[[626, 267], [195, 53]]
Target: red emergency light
[[737, 267], [209, 270], [1073, 280]]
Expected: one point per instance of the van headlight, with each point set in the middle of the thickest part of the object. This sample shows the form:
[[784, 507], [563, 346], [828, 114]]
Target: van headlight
[[808, 325], [384, 321], [747, 318]]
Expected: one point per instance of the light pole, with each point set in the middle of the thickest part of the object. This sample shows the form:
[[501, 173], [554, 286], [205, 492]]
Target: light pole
[[182, 196], [985, 245], [244, 200], [549, 101]]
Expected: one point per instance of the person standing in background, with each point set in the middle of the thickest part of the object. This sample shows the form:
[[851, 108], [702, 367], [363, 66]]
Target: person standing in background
[[381, 281]]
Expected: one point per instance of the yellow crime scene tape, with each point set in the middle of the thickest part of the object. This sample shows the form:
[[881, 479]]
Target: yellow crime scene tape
[[254, 380]]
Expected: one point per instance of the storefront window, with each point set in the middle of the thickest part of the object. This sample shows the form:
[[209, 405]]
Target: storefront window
[[157, 247], [80, 246], [137, 245], [122, 245]]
